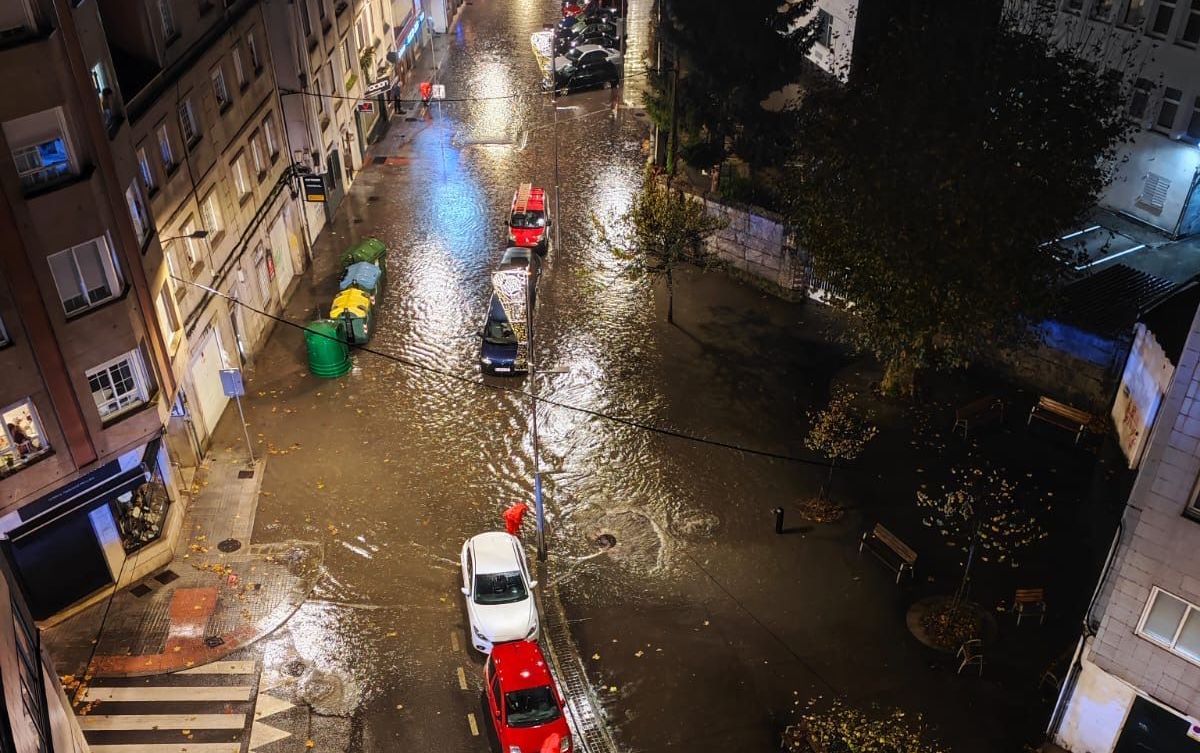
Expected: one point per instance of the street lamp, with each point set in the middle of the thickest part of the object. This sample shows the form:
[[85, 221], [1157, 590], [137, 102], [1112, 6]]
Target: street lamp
[[197, 234]]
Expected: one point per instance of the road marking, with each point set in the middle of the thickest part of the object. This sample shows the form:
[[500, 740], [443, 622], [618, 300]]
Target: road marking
[[454, 639], [462, 679], [1110, 257], [221, 693], [222, 668], [470, 721], [103, 722]]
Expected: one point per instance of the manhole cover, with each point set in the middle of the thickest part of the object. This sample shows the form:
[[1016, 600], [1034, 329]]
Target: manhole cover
[[245, 474], [229, 545], [294, 668], [606, 541], [213, 641], [140, 590], [166, 576]]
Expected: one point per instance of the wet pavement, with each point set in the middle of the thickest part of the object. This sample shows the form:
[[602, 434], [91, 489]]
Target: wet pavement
[[698, 625]]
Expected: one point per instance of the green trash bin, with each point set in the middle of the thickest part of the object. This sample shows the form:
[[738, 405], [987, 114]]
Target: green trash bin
[[369, 249], [328, 356]]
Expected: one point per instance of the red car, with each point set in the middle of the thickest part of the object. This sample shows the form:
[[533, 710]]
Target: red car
[[527, 222], [525, 703]]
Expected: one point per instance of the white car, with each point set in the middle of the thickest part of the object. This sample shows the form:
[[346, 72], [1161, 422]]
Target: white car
[[499, 590]]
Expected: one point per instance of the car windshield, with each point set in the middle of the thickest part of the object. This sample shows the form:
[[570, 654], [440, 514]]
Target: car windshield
[[499, 588], [499, 333], [574, 54], [528, 219], [531, 707]]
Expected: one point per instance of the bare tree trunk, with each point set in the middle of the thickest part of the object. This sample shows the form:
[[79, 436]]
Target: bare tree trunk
[[827, 492], [670, 296]]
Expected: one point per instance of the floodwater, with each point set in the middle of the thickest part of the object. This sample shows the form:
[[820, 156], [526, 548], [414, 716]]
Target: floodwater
[[393, 466]]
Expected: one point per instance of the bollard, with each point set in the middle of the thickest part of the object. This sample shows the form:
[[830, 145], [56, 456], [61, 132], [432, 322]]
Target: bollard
[[778, 520]]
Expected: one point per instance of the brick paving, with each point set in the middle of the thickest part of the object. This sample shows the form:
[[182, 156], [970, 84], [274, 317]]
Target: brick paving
[[206, 603]]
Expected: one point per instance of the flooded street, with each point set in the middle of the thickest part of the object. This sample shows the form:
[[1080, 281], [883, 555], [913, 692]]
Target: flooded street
[[393, 466]]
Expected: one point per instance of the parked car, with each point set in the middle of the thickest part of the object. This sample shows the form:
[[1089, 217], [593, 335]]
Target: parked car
[[499, 590], [527, 221], [570, 28], [498, 343], [524, 701], [586, 67], [596, 35], [607, 9]]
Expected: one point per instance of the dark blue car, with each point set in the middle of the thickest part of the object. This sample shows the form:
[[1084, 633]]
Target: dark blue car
[[498, 353]]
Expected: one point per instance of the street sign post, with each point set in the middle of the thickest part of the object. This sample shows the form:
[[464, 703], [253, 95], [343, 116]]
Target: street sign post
[[233, 386], [379, 87], [314, 187]]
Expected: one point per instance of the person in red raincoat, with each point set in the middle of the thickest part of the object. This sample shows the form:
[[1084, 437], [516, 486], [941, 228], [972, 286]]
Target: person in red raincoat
[[426, 92], [513, 517]]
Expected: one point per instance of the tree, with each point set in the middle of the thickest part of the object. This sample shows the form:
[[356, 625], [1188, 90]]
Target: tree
[[926, 188], [837, 727], [838, 432], [661, 230], [730, 57]]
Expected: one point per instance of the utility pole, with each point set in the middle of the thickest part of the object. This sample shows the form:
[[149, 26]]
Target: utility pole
[[538, 503], [673, 149]]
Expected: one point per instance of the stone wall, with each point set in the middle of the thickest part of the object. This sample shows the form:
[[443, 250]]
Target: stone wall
[[757, 244]]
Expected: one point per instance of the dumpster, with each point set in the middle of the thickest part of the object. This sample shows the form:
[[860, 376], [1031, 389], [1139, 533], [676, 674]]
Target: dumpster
[[365, 276], [370, 250], [328, 356], [353, 311]]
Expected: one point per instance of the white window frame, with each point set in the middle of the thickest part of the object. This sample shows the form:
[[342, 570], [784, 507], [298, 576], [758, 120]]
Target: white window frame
[[146, 170], [1170, 103], [256, 155], [27, 157], [192, 253], [268, 127], [347, 58], [1191, 20], [11, 447], [168, 314], [188, 122], [252, 47], [166, 17], [210, 214], [108, 266], [1189, 608], [239, 68], [138, 214], [1158, 10], [825, 28], [128, 400], [241, 179], [1139, 23], [166, 153], [220, 88]]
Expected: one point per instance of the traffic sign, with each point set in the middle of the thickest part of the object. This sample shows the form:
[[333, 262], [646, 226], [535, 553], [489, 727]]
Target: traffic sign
[[379, 87], [366, 107], [314, 187], [231, 383], [439, 91]]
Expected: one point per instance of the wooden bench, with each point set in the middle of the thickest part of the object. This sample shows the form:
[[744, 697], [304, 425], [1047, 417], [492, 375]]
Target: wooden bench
[[890, 550], [1063, 416], [978, 412], [1030, 602]]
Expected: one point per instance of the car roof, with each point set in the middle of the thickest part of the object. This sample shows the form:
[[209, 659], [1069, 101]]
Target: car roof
[[520, 665], [495, 552], [515, 256], [583, 49]]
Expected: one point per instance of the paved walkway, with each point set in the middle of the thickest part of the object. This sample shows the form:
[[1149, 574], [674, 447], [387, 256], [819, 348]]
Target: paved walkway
[[218, 594]]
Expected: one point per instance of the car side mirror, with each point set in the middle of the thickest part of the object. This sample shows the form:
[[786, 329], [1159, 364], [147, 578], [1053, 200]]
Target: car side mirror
[[466, 591], [532, 584]]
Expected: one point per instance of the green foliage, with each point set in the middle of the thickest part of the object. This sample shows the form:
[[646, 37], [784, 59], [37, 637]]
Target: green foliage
[[837, 727], [840, 431], [925, 187], [731, 56], [661, 229]]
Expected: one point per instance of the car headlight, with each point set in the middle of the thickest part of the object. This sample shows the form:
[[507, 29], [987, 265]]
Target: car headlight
[[565, 744], [488, 361], [478, 634], [533, 629], [514, 749]]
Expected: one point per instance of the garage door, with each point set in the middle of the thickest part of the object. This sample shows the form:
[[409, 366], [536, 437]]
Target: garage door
[[281, 251], [210, 400]]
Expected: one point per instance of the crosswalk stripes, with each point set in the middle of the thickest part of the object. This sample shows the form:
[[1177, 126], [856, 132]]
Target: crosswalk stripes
[[208, 709]]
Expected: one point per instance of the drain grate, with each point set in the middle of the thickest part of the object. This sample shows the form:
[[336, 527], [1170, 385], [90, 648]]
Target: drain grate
[[166, 576], [213, 641], [140, 590], [229, 545], [245, 474], [606, 541], [294, 668]]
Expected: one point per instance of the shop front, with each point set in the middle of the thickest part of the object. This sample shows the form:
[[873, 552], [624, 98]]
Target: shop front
[[75, 540]]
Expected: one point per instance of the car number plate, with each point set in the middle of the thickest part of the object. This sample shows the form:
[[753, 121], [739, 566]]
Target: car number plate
[[502, 370]]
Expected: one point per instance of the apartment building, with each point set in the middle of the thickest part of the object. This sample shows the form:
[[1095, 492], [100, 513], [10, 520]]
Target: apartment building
[[1134, 684], [1156, 45], [328, 56], [85, 484]]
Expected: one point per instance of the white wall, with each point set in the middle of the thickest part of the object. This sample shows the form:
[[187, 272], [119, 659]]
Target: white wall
[[1096, 710], [835, 59], [1143, 385], [1151, 152]]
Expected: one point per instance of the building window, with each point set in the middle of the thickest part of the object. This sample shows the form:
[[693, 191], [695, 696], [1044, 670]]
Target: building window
[[1162, 18], [1135, 14], [137, 212], [305, 19], [1103, 9], [1172, 623], [348, 60], [119, 385], [1193, 129], [321, 9], [104, 94], [268, 127], [210, 214], [191, 246], [1140, 98], [824, 29], [241, 181], [256, 155], [4, 338], [40, 149], [1073, 5], [188, 124], [239, 70], [168, 315], [220, 91], [15, 20], [21, 437], [252, 48], [146, 171], [164, 148], [1169, 109], [85, 275], [166, 15], [265, 273], [1191, 27], [325, 92]]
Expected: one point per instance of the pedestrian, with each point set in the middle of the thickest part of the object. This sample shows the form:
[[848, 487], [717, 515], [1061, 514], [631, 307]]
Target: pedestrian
[[513, 517], [25, 445], [426, 93]]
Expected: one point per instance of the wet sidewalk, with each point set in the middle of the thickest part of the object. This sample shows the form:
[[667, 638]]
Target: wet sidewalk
[[219, 593]]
